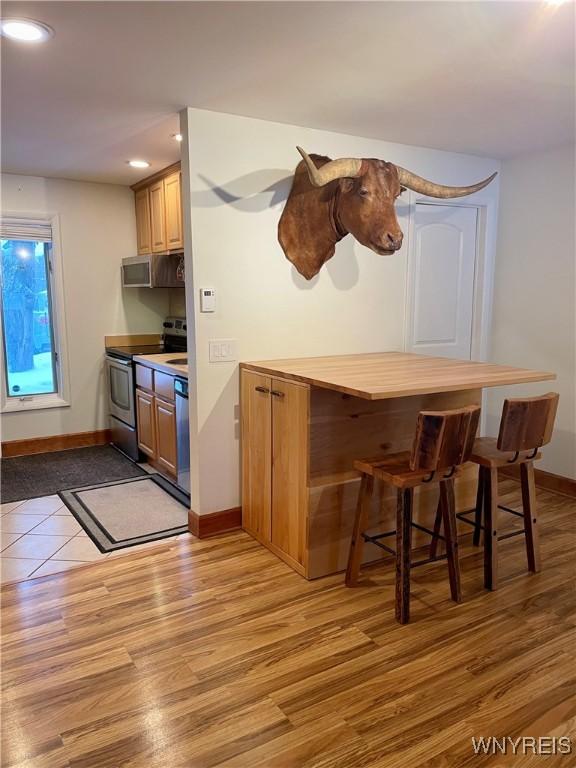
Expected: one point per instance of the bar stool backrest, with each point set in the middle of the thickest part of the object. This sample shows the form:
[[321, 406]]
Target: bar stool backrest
[[527, 423], [444, 439]]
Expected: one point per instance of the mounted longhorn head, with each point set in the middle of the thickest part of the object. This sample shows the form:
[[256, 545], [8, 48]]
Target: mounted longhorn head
[[332, 198]]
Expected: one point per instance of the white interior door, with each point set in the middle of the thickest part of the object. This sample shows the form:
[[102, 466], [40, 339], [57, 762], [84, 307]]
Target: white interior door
[[441, 280]]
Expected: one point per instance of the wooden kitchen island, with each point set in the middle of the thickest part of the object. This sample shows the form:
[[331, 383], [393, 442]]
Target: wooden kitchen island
[[305, 421]]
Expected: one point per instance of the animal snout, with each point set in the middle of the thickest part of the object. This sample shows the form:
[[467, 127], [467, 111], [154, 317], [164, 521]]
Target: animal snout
[[393, 240]]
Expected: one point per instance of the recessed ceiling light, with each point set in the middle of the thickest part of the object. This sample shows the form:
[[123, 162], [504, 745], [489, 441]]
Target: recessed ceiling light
[[177, 136], [25, 30], [139, 163]]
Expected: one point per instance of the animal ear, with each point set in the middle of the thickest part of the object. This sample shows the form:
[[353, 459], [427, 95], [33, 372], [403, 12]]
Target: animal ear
[[346, 185]]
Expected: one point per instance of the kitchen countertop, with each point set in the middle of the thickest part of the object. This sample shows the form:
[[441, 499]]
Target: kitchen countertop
[[160, 363], [394, 374]]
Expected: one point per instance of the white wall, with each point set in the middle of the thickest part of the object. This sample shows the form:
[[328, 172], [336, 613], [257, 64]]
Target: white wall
[[534, 299], [240, 175], [97, 228]]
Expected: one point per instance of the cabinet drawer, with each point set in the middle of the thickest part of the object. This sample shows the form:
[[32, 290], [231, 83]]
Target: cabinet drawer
[[164, 385], [144, 377]]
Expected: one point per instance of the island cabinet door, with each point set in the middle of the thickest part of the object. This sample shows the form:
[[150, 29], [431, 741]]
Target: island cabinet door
[[290, 411], [256, 454]]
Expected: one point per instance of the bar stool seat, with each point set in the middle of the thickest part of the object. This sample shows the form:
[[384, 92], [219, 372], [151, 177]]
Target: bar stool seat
[[487, 454], [525, 426], [442, 443], [395, 470]]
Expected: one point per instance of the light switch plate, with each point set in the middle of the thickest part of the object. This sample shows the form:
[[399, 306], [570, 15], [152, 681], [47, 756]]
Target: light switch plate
[[223, 350]]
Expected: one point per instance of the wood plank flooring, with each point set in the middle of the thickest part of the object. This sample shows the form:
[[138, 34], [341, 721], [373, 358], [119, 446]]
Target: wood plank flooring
[[215, 653]]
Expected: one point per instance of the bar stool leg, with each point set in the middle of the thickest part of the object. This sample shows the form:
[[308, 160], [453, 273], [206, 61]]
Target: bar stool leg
[[437, 525], [491, 529], [403, 552], [530, 521], [451, 536], [357, 543], [479, 506]]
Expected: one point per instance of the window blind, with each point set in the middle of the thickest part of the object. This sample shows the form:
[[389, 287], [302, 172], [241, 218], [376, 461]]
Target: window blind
[[36, 230]]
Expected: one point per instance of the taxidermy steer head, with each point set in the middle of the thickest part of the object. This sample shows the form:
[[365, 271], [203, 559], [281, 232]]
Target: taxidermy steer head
[[332, 198]]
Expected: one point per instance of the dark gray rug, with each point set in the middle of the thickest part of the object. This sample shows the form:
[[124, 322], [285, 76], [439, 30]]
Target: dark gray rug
[[43, 474], [129, 512]]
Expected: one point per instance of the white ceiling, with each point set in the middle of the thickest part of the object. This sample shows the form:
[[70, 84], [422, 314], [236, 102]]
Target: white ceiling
[[489, 78]]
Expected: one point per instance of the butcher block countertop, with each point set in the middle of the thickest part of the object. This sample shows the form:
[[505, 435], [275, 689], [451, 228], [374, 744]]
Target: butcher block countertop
[[160, 363], [394, 374]]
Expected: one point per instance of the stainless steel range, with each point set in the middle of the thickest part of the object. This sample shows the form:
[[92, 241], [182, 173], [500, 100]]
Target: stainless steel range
[[122, 385]]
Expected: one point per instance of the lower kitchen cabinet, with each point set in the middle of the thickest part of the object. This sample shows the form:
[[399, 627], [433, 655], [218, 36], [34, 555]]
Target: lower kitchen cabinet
[[156, 418], [146, 423], [275, 464], [165, 416]]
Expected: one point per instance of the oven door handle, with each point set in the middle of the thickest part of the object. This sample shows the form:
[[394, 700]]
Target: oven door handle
[[117, 361]]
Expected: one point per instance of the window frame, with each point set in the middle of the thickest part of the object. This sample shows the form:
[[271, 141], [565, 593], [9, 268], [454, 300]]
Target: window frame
[[60, 398]]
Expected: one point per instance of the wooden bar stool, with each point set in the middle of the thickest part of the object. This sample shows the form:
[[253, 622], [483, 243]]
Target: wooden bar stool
[[526, 425], [442, 443]]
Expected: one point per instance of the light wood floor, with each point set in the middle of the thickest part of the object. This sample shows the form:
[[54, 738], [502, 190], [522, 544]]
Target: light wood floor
[[214, 653]]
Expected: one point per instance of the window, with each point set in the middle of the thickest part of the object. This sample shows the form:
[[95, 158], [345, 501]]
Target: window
[[30, 344]]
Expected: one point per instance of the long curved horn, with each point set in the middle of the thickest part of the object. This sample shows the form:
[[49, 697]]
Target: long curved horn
[[345, 167], [418, 184]]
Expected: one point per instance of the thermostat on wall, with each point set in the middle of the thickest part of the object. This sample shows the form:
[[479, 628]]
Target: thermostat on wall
[[207, 300]]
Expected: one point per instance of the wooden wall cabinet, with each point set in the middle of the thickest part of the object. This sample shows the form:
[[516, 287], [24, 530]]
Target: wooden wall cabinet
[[156, 418], [173, 209], [143, 234], [158, 201], [158, 217]]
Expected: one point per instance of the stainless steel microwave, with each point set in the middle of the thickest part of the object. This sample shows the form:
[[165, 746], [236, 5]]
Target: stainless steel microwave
[[155, 270]]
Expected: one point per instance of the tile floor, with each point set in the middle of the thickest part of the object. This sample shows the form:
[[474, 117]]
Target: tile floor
[[41, 536]]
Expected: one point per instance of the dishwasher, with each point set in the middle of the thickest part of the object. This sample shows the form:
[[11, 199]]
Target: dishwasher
[[182, 434]]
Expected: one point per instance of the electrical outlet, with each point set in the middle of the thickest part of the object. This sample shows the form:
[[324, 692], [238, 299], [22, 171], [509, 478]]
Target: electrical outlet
[[222, 350]]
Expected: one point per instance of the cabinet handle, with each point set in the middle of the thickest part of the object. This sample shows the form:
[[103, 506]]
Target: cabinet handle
[[263, 389], [277, 393]]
